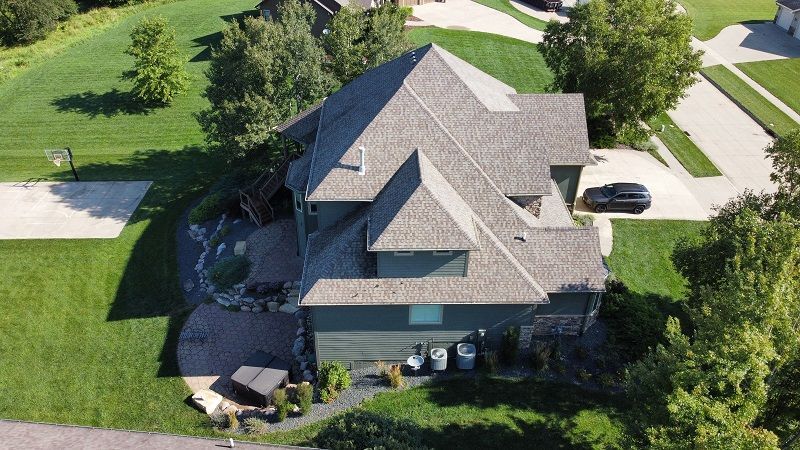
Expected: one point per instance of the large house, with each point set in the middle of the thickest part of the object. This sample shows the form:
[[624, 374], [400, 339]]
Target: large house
[[324, 10], [431, 204], [788, 16]]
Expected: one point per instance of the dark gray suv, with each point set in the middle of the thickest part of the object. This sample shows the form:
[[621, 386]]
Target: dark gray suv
[[618, 197]]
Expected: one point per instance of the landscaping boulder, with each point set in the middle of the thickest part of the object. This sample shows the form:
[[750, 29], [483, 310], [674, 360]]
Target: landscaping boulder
[[257, 309], [272, 306], [301, 331], [287, 308], [188, 285], [287, 285], [298, 346], [240, 248], [206, 400], [245, 308]]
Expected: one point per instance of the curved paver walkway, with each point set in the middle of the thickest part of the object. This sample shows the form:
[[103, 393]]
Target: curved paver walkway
[[43, 436], [468, 15], [233, 337]]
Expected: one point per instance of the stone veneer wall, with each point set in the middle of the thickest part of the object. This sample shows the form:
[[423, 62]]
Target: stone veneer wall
[[547, 325]]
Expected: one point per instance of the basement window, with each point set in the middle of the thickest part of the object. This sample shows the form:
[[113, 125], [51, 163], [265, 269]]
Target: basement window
[[403, 253], [442, 252], [425, 314]]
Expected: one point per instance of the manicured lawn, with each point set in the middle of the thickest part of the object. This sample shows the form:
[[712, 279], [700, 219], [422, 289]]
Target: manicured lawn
[[509, 414], [506, 7], [765, 112], [516, 63], [779, 77], [690, 157], [642, 252], [711, 16], [88, 327]]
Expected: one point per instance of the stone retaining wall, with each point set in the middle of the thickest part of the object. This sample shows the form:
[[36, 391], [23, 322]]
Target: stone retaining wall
[[548, 325]]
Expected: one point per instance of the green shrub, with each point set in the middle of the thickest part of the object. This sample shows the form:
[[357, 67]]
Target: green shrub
[[229, 271], [540, 356], [395, 376], [209, 208], [26, 21], [584, 375], [219, 420], [491, 361], [225, 230], [600, 362], [255, 426], [305, 397], [382, 368], [560, 366], [634, 321], [214, 241], [333, 377], [233, 421], [509, 345], [583, 220], [363, 429], [607, 380], [581, 351], [282, 404]]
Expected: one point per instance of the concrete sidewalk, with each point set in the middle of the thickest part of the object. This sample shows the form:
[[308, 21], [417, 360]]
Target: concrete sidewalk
[[46, 436]]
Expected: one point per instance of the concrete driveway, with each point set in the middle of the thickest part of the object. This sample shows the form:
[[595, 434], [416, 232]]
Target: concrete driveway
[[86, 209], [672, 199], [468, 15], [730, 138], [561, 16], [754, 42]]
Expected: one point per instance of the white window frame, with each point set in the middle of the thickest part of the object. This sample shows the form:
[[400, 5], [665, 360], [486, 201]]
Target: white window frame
[[438, 321], [404, 253], [313, 209], [298, 203], [442, 252]]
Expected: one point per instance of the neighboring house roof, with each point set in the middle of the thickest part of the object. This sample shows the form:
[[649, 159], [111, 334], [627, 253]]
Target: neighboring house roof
[[793, 5], [440, 167], [418, 198]]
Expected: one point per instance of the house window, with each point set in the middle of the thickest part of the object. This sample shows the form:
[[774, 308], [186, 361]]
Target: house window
[[403, 253], [425, 314], [312, 209], [298, 203], [442, 252], [265, 14]]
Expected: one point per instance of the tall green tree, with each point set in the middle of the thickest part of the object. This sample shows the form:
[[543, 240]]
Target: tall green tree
[[785, 154], [26, 21], [158, 71], [359, 40], [632, 60], [261, 74]]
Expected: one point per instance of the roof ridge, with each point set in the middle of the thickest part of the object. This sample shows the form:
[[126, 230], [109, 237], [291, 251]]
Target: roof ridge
[[506, 252]]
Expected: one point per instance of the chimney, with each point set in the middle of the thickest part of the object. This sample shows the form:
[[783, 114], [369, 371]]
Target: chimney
[[362, 167]]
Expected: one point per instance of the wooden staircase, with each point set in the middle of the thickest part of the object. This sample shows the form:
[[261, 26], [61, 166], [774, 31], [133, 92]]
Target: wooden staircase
[[254, 200]]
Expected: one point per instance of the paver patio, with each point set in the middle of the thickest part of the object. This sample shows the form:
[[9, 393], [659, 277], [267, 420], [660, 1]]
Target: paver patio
[[232, 338], [86, 209], [272, 251]]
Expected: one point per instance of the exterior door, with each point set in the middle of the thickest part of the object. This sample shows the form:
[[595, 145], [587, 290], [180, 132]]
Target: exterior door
[[618, 203], [793, 26]]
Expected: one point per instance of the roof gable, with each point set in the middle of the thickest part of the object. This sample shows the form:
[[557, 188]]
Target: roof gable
[[419, 210]]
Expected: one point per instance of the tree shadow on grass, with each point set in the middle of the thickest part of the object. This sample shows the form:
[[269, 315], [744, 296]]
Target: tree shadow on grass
[[108, 104], [211, 40], [149, 286], [559, 406]]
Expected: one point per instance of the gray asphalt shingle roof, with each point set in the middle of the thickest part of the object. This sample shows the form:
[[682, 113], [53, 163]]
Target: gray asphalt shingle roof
[[418, 197], [445, 147], [793, 5]]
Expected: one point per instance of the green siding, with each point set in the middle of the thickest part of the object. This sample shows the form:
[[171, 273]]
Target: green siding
[[300, 221], [330, 212], [567, 178], [565, 304], [354, 334], [422, 264]]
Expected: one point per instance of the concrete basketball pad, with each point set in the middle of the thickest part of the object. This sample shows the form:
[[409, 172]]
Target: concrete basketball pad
[[75, 210]]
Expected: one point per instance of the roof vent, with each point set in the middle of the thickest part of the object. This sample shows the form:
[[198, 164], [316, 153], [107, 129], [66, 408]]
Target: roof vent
[[362, 166], [523, 238], [413, 57]]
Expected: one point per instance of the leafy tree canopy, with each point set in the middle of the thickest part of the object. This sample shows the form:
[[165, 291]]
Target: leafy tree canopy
[[158, 71], [632, 60], [26, 21], [785, 154]]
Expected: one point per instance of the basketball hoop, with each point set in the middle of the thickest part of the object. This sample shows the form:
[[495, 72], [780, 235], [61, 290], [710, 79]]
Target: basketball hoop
[[59, 155]]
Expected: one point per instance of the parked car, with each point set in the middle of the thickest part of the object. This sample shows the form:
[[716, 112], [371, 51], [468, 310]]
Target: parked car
[[547, 5], [631, 197]]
